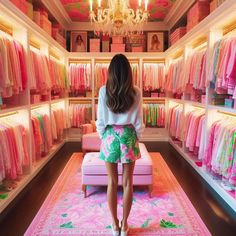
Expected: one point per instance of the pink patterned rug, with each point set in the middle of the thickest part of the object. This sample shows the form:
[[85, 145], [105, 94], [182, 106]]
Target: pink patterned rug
[[66, 212]]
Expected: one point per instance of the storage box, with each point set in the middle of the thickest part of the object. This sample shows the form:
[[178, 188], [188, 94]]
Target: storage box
[[117, 47], [137, 49], [105, 38], [36, 17], [117, 40], [177, 34], [17, 3], [213, 5], [203, 99], [30, 12], [94, 45], [105, 46], [197, 13], [154, 95], [44, 13], [23, 6], [60, 39], [45, 24], [34, 98], [229, 102]]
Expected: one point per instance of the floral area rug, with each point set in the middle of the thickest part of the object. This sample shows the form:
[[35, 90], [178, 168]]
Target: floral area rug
[[66, 212]]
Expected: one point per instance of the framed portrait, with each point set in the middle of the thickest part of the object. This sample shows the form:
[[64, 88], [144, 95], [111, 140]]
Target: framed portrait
[[78, 41], [155, 41]]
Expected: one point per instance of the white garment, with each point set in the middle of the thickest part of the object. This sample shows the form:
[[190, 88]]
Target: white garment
[[106, 117], [80, 48]]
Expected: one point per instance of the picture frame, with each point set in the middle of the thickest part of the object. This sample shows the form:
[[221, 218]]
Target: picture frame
[[78, 41], [155, 41]]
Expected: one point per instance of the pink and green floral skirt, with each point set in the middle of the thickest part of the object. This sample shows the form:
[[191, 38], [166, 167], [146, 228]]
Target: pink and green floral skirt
[[119, 144]]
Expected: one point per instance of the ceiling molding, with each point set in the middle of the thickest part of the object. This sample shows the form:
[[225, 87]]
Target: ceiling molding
[[87, 26], [179, 8], [58, 11]]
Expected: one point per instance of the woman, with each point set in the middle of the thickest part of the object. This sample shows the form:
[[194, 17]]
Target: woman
[[155, 43], [120, 126], [79, 44]]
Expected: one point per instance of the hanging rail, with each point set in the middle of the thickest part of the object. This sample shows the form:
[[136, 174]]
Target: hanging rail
[[134, 60], [178, 55], [37, 107], [103, 61], [81, 61], [80, 102], [53, 54], [200, 41], [226, 113], [159, 60], [198, 106], [227, 29], [9, 114], [5, 28], [34, 44], [153, 101]]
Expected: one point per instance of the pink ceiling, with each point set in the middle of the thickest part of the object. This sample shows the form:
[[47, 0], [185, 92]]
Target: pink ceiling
[[78, 10]]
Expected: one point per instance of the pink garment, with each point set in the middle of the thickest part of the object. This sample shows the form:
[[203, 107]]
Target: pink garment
[[209, 148], [23, 63]]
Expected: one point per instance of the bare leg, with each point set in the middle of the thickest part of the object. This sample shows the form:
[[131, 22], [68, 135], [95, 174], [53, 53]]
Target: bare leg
[[127, 180], [112, 192]]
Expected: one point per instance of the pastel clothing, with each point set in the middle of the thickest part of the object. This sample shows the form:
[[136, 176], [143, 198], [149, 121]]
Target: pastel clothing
[[79, 114], [133, 116], [153, 76], [220, 150], [119, 144], [80, 78]]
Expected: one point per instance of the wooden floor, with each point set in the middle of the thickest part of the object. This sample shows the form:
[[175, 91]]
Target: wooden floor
[[219, 219]]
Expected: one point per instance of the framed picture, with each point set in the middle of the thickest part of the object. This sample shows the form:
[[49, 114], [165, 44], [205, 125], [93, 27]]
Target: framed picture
[[155, 41], [78, 41]]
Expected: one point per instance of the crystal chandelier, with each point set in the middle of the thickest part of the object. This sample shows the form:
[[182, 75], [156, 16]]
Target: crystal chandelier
[[119, 19]]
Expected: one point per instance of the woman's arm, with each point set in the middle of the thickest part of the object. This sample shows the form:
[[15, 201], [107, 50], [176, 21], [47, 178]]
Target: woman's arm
[[139, 125], [100, 126]]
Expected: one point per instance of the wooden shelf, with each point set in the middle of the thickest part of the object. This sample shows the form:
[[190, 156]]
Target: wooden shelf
[[207, 177]]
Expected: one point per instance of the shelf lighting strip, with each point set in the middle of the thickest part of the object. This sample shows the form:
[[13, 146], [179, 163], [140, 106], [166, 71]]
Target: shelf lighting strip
[[9, 114], [6, 29]]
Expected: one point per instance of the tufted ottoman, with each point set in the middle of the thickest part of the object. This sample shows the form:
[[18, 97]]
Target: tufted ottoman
[[90, 142], [94, 170]]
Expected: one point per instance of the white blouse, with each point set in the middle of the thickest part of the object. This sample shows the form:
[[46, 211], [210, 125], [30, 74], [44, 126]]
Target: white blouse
[[106, 117]]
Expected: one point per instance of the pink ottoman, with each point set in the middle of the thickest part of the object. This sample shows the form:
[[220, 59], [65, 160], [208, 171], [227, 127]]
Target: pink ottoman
[[94, 171], [90, 142]]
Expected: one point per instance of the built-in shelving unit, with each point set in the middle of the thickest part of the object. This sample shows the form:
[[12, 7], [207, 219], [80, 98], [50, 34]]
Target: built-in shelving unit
[[215, 185]]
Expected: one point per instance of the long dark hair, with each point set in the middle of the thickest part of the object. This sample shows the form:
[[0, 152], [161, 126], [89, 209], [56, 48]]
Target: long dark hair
[[119, 87]]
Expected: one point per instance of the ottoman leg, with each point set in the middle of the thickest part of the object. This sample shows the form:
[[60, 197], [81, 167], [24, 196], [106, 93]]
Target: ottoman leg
[[84, 190], [150, 188]]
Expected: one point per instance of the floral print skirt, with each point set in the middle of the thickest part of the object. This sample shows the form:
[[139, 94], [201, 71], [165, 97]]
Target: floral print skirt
[[119, 144]]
